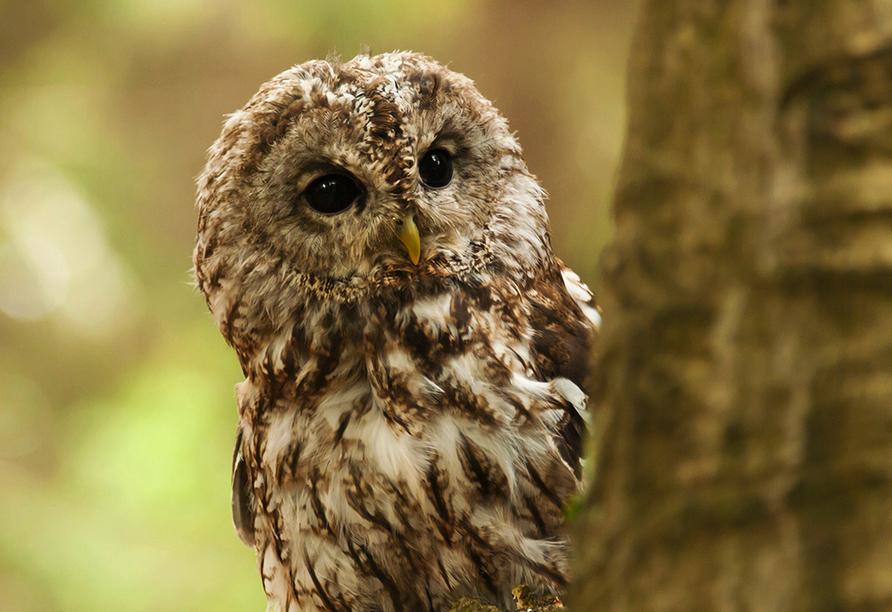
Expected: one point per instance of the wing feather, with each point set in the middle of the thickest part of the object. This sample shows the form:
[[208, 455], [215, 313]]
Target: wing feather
[[566, 318], [242, 496]]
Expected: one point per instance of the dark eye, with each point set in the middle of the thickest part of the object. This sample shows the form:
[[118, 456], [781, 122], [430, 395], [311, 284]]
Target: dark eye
[[435, 168], [332, 193]]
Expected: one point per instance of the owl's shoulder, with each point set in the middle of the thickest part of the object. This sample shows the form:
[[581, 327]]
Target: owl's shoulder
[[565, 318]]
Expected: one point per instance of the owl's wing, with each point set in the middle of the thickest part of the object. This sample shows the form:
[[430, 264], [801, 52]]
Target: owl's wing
[[242, 496], [583, 297], [566, 319]]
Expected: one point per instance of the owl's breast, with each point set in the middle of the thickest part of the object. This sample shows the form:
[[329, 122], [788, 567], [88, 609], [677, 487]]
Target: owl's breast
[[427, 452], [464, 352]]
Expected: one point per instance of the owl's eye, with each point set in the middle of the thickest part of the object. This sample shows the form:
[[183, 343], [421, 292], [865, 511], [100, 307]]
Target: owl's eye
[[332, 193], [435, 168]]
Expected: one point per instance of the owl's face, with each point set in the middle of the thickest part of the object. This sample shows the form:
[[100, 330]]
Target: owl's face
[[345, 171]]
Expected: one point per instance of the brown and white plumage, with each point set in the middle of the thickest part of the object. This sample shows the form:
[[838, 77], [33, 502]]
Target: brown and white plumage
[[408, 433]]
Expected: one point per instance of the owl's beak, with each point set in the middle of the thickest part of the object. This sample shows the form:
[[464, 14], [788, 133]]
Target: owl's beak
[[408, 235]]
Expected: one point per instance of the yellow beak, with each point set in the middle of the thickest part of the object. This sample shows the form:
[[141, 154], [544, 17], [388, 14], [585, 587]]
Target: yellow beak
[[409, 237]]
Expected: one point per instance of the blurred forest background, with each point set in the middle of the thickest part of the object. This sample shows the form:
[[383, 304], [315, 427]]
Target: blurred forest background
[[117, 414]]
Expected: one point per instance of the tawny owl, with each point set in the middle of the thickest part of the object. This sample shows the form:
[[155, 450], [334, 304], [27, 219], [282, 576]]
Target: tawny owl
[[372, 245]]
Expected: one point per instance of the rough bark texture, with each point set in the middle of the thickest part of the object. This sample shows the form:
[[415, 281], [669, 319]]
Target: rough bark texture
[[744, 392]]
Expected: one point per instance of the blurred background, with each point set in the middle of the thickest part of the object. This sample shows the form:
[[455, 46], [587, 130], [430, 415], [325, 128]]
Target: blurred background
[[117, 414]]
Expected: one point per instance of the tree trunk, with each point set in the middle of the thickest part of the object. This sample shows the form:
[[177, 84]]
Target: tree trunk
[[743, 399]]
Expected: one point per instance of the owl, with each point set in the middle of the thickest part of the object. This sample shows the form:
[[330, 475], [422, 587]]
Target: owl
[[372, 245]]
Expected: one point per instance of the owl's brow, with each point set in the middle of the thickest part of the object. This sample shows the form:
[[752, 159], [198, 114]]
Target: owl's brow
[[460, 141]]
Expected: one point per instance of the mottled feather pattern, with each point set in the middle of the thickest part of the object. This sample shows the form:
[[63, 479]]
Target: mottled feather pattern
[[408, 434]]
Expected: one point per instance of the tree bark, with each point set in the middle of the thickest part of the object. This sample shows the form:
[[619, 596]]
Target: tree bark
[[743, 395]]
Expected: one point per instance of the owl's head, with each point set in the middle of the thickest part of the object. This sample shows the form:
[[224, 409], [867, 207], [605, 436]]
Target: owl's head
[[342, 172]]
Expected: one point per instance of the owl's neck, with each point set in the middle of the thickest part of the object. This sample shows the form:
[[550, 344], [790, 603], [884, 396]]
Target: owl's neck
[[273, 338]]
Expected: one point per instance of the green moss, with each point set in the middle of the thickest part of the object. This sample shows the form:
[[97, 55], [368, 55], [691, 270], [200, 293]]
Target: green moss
[[524, 599], [472, 605]]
